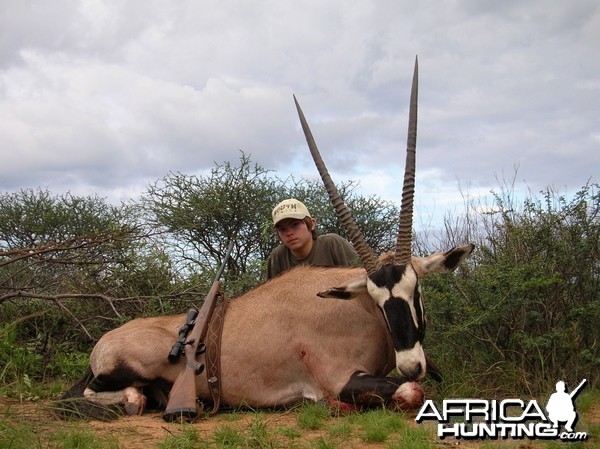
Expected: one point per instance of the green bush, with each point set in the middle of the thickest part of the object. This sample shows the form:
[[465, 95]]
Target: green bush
[[18, 364], [523, 312]]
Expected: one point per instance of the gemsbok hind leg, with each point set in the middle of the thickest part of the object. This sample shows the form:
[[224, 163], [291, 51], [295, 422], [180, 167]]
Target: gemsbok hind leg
[[80, 402], [116, 390], [365, 390], [131, 398]]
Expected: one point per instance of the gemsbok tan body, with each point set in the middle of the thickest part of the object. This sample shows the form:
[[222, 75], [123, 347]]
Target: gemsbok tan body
[[312, 333]]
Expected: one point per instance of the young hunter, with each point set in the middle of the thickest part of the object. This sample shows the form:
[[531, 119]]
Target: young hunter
[[300, 243]]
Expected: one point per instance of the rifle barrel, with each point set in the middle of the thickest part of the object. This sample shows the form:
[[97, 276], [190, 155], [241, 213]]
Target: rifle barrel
[[224, 262]]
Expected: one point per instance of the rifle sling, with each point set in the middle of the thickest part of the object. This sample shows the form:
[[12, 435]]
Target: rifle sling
[[213, 352]]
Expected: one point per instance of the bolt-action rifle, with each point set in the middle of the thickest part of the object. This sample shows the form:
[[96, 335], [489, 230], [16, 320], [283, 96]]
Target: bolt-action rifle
[[182, 403]]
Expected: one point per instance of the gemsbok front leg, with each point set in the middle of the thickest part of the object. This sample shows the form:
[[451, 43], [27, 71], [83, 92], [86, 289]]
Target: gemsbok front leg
[[364, 390]]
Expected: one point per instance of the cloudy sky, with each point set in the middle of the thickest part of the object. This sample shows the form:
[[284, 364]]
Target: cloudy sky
[[106, 96]]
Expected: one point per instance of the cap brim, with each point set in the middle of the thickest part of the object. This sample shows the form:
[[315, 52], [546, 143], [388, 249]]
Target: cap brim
[[292, 216]]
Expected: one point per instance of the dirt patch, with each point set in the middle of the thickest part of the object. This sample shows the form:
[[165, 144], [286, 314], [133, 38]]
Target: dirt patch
[[148, 430]]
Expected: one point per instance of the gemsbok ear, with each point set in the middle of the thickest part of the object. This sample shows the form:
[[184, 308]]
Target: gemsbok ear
[[442, 262], [349, 291]]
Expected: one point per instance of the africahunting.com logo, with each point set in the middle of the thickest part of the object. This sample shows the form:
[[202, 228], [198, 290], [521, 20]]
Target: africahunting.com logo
[[509, 418]]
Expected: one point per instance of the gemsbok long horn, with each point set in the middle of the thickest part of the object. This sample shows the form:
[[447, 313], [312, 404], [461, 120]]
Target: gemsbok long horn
[[361, 246], [404, 241]]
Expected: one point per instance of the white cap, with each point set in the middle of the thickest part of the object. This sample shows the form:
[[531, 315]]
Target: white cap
[[290, 208]]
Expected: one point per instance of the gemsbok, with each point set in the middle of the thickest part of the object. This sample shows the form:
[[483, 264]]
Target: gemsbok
[[316, 333]]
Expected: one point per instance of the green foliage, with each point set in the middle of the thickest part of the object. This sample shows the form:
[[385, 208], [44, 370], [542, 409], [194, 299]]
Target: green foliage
[[228, 437], [63, 259], [312, 416], [341, 429], [323, 443], [203, 214], [18, 436], [289, 432], [258, 432], [413, 438], [523, 312], [17, 364], [25, 364], [82, 439], [188, 438], [378, 425], [32, 217], [60, 243]]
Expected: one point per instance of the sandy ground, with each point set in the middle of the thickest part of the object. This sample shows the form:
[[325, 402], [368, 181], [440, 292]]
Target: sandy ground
[[146, 431]]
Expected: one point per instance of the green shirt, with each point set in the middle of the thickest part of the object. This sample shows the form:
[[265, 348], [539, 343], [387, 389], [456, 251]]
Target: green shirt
[[328, 250]]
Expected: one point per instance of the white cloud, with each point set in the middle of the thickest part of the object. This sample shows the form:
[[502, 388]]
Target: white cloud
[[109, 96]]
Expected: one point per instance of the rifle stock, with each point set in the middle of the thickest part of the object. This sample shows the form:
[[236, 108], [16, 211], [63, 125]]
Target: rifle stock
[[182, 402]]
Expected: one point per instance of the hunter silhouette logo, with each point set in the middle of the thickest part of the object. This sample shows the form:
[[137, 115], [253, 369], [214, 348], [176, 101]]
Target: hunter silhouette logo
[[561, 406], [509, 418]]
